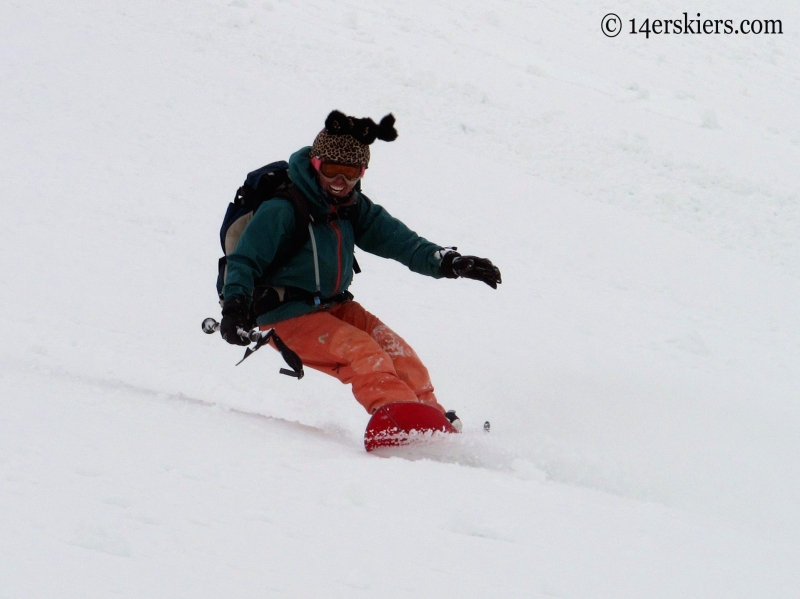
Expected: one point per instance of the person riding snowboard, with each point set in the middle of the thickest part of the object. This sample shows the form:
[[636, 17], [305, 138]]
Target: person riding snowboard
[[305, 299]]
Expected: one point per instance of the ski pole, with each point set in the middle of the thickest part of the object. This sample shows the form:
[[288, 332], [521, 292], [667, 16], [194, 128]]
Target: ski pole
[[211, 326], [261, 338]]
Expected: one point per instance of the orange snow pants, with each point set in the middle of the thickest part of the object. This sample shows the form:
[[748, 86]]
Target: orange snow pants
[[351, 344]]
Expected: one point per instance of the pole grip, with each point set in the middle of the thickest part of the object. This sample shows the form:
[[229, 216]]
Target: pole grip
[[210, 326]]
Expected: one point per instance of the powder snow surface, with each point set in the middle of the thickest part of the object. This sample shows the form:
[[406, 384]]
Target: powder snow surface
[[639, 364]]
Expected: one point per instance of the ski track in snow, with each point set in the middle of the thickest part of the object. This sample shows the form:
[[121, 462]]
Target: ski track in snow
[[638, 364], [256, 501]]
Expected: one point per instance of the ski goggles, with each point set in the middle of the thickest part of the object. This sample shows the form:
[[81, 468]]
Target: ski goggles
[[351, 172]]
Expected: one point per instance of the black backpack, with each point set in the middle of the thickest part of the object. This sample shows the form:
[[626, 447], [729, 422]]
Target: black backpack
[[266, 183]]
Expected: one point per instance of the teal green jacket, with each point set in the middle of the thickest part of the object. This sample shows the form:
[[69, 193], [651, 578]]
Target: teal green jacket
[[373, 230]]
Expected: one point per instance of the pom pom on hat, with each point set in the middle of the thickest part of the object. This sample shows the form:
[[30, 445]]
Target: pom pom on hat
[[386, 130]]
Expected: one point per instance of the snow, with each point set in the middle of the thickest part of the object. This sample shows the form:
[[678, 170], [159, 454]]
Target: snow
[[638, 363]]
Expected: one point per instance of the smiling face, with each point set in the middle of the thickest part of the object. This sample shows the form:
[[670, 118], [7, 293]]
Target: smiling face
[[337, 179], [337, 186]]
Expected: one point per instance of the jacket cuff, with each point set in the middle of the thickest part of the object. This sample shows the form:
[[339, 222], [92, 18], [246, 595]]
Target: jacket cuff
[[235, 304], [446, 265]]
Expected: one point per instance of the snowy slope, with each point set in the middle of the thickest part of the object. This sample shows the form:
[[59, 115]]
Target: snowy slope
[[638, 363]]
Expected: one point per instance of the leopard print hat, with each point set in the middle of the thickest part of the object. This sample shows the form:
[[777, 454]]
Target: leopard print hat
[[346, 139]]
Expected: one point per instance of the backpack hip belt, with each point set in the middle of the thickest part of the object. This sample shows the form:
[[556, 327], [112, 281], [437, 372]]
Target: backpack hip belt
[[267, 298]]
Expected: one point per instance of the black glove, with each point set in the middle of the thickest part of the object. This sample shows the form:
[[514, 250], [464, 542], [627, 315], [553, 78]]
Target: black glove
[[235, 313], [455, 265]]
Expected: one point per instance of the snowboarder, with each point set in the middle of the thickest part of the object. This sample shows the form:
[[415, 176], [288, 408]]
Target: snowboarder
[[306, 299]]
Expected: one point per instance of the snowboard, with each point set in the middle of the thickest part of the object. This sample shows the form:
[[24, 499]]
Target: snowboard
[[401, 423]]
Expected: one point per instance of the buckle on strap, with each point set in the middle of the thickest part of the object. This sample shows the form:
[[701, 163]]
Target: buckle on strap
[[339, 298]]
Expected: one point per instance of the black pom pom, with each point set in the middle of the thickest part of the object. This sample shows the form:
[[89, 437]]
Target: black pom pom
[[364, 130], [386, 130], [338, 123]]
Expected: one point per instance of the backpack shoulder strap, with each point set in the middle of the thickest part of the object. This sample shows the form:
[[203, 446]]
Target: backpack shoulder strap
[[302, 215], [300, 234]]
